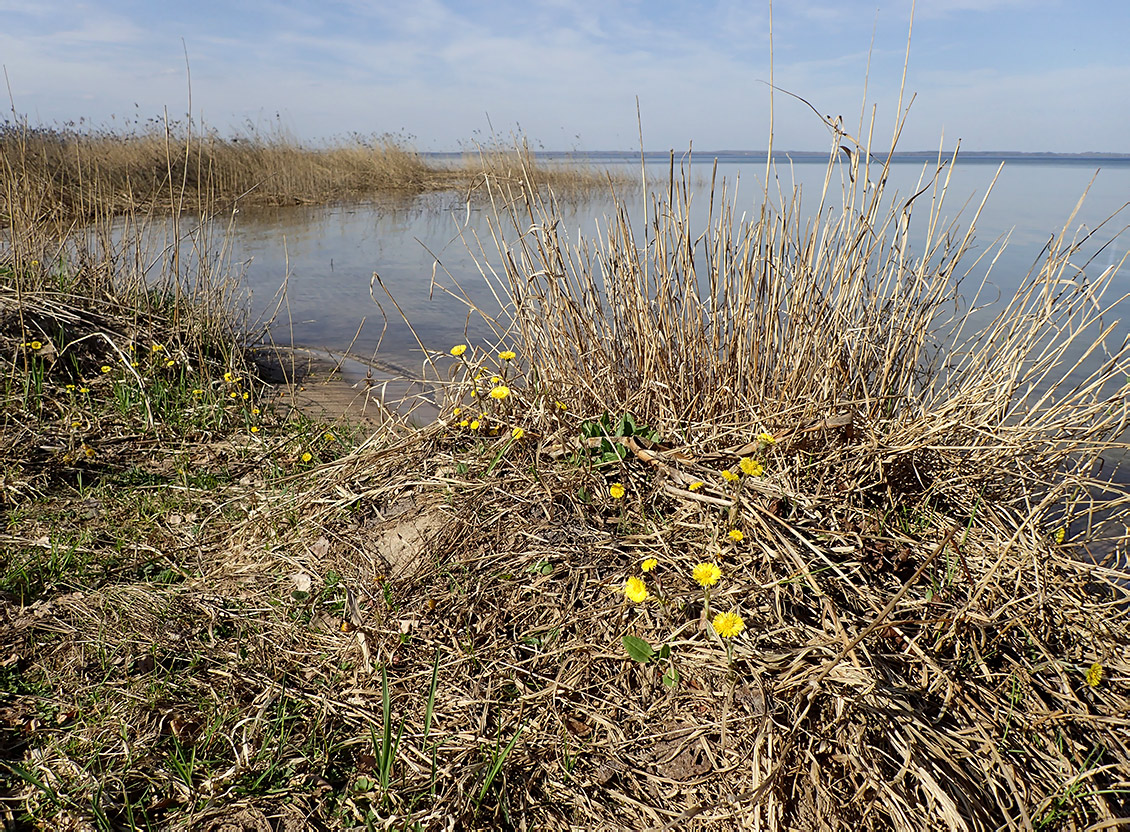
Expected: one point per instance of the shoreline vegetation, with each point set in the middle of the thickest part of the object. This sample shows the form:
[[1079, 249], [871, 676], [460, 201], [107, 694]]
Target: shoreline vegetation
[[79, 175], [727, 527]]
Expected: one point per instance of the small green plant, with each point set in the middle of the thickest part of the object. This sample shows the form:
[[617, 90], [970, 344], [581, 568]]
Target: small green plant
[[497, 755], [641, 651], [386, 745], [603, 437]]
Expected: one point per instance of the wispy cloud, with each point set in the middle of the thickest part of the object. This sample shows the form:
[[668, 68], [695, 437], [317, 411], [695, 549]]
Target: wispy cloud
[[569, 71]]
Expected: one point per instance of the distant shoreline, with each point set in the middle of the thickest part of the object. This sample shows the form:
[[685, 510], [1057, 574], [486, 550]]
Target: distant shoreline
[[738, 156]]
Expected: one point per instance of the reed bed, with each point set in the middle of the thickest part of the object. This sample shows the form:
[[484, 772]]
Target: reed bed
[[82, 174]]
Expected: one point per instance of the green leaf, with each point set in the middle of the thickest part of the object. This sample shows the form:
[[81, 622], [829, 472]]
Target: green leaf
[[671, 677], [638, 649], [665, 651]]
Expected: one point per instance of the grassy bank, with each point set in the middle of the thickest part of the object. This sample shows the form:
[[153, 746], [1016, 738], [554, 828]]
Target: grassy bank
[[80, 174], [728, 527]]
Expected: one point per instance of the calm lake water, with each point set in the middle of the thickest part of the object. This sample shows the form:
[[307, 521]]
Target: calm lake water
[[326, 256]]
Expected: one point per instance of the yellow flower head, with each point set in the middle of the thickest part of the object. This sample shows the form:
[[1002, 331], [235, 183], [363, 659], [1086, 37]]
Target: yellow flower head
[[230, 379], [728, 624], [500, 392], [560, 405], [736, 535], [706, 574], [463, 423], [169, 363], [475, 425], [70, 387], [246, 396], [254, 428], [307, 456], [495, 379], [1094, 675], [197, 393], [1060, 534], [156, 348], [695, 486], [616, 490], [507, 355], [329, 437], [517, 434], [636, 590], [105, 368], [233, 395], [649, 564], [458, 350], [767, 438], [84, 389], [751, 467], [729, 476], [254, 411], [456, 411], [89, 451], [135, 364], [36, 345]]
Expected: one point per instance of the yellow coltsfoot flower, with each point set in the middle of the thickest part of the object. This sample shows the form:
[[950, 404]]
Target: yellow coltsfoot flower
[[751, 467], [636, 590], [728, 624], [1094, 675], [706, 574]]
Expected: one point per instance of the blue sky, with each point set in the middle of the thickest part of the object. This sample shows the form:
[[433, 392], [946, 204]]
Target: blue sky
[[1027, 75]]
